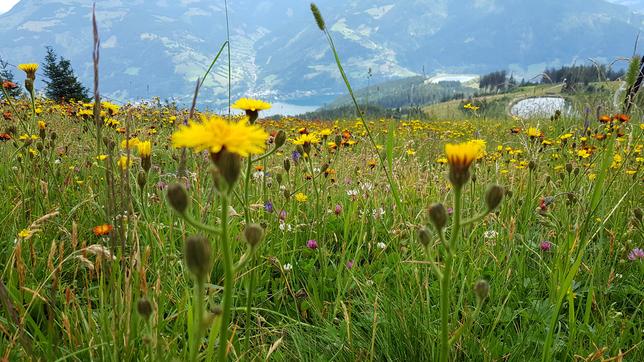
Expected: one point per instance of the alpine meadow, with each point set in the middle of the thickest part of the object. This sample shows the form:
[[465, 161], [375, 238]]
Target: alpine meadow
[[414, 180]]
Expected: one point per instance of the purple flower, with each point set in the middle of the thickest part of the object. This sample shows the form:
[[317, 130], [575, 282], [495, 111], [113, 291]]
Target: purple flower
[[162, 185], [268, 206], [338, 209], [296, 156], [450, 211], [545, 245], [635, 254], [350, 264], [282, 215], [312, 244]]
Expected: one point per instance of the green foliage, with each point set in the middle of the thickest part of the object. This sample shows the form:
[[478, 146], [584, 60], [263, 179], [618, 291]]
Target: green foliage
[[62, 83]]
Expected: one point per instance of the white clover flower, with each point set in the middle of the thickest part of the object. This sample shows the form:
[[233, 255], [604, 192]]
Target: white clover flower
[[381, 245], [490, 234], [287, 267]]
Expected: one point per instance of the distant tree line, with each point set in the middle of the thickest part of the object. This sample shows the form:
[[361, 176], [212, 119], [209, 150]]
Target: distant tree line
[[497, 81]]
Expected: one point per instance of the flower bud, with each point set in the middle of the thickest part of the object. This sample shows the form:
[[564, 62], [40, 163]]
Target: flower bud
[[280, 139], [141, 179], [532, 165], [438, 215], [639, 215], [144, 308], [198, 256], [279, 178], [229, 164], [424, 236], [494, 196], [569, 167], [178, 198], [253, 233], [482, 289], [287, 165]]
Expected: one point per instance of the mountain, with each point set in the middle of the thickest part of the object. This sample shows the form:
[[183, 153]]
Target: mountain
[[159, 47]]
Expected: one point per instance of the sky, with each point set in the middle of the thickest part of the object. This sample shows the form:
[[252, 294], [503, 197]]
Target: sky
[[6, 5]]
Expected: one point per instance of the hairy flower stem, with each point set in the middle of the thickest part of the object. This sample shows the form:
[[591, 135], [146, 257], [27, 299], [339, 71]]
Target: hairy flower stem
[[198, 318], [228, 280], [315, 188], [447, 274], [249, 166]]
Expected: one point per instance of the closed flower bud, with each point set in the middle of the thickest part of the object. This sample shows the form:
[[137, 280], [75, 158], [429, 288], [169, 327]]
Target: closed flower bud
[[569, 167], [639, 215], [278, 178], [494, 196], [438, 215], [198, 256], [280, 139], [141, 179], [482, 289], [532, 165], [424, 236], [253, 233], [287, 165], [144, 307], [338, 140], [306, 147], [229, 164], [178, 198]]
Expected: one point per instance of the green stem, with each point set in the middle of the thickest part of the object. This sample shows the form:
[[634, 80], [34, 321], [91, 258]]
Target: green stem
[[198, 319], [228, 281], [315, 188], [249, 166], [446, 282]]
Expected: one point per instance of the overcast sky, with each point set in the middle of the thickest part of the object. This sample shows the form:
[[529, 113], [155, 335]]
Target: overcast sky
[[6, 5]]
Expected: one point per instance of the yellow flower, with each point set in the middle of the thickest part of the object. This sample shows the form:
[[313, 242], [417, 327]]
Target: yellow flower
[[300, 197], [101, 157], [325, 132], [122, 162], [583, 153], [411, 152], [460, 157], [30, 69], [565, 136], [253, 105], [42, 125], [215, 133], [24, 234], [310, 138], [145, 148], [533, 132], [133, 142], [442, 160]]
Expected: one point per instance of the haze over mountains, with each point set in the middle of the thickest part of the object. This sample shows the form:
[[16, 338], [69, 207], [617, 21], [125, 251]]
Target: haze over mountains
[[159, 47]]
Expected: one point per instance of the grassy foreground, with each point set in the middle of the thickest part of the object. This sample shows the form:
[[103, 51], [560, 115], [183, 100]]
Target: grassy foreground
[[93, 264]]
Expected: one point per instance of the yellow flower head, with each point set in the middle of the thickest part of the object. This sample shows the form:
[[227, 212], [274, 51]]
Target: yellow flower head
[[325, 132], [24, 234], [534, 133], [123, 162], [460, 157], [215, 133], [310, 138], [144, 148], [253, 105], [42, 125], [132, 142], [30, 69], [300, 197]]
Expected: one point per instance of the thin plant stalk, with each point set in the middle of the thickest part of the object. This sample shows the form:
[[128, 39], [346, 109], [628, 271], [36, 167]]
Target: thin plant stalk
[[228, 280], [447, 271]]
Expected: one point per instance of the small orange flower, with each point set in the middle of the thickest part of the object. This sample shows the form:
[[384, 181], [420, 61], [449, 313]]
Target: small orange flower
[[9, 85], [622, 118], [5, 137], [605, 119], [303, 131], [102, 230], [515, 130]]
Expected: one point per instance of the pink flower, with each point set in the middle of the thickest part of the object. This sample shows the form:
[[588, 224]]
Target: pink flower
[[545, 246], [635, 254], [350, 264], [312, 244], [338, 209]]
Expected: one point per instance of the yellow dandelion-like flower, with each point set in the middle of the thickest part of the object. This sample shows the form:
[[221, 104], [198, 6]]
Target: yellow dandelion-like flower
[[253, 105], [533, 132], [310, 138], [460, 157], [144, 148], [131, 143], [24, 234], [123, 162], [101, 157], [410, 152], [42, 125], [215, 133], [583, 153], [325, 132], [30, 69], [300, 197]]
